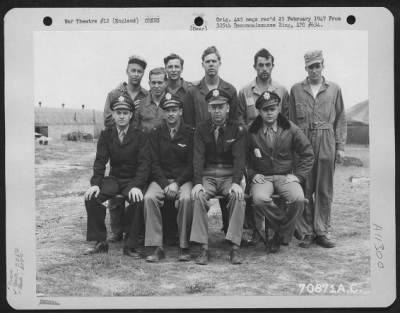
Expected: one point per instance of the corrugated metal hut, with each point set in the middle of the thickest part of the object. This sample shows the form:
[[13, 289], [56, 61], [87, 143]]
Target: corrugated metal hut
[[57, 123], [358, 123]]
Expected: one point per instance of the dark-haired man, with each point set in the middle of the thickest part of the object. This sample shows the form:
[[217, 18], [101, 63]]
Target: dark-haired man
[[248, 95], [149, 114], [171, 151]]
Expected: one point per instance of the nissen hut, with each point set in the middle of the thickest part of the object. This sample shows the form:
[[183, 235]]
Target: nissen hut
[[58, 123]]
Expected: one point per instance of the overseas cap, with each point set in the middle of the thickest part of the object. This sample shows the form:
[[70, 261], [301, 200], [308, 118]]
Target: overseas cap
[[314, 56], [122, 101], [267, 99], [138, 60], [169, 100], [217, 96]]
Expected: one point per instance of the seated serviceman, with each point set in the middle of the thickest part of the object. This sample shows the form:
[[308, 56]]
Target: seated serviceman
[[171, 149], [219, 165], [273, 143], [123, 145]]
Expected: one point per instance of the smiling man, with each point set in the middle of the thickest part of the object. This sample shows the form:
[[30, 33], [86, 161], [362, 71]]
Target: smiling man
[[123, 146], [273, 143], [316, 106], [171, 152], [149, 114], [263, 65]]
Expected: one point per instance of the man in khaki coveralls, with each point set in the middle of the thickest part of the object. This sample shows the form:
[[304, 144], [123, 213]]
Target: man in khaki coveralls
[[219, 164], [171, 153], [316, 106]]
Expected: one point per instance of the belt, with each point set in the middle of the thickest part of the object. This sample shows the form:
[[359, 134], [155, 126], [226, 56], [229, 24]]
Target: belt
[[320, 125], [219, 165]]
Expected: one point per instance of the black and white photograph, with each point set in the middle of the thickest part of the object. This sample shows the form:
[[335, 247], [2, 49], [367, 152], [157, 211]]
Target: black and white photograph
[[200, 158]]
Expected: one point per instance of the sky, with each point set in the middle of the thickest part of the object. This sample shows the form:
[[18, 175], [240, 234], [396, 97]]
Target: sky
[[81, 67]]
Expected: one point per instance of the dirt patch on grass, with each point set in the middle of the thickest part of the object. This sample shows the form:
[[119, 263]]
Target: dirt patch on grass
[[63, 170]]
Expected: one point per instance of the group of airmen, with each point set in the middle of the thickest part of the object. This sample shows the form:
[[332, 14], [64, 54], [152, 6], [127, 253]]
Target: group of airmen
[[181, 144]]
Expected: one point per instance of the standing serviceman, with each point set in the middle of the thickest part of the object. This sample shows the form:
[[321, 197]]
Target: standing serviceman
[[135, 71], [171, 152], [316, 106], [273, 143], [248, 95], [123, 146], [149, 114], [219, 165], [195, 107]]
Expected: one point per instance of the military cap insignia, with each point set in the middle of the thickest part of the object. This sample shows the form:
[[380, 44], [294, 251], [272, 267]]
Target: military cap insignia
[[121, 99], [267, 96], [168, 96], [215, 93]]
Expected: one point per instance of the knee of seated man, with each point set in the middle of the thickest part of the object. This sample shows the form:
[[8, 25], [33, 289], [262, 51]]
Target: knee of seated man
[[260, 200]]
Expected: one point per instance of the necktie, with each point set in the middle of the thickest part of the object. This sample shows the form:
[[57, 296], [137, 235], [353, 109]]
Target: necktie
[[216, 133], [121, 136], [172, 132], [270, 137]]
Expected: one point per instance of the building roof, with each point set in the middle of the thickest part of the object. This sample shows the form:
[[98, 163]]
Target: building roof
[[358, 113], [60, 116]]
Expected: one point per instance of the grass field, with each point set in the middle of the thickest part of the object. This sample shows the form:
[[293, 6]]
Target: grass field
[[63, 170]]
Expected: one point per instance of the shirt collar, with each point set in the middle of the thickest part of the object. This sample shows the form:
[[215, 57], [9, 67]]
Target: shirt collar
[[125, 130], [271, 86], [274, 128]]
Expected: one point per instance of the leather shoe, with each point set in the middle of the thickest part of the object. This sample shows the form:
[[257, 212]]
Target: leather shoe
[[202, 259], [99, 247], [307, 241], [323, 241], [115, 237], [235, 257], [275, 243], [131, 252], [156, 256], [184, 255]]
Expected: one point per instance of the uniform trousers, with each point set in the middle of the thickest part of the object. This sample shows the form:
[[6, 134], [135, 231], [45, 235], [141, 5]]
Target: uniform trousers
[[217, 181], [154, 200], [280, 218], [318, 187], [96, 211]]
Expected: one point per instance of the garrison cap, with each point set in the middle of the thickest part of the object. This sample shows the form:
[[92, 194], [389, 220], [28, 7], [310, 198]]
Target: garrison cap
[[170, 100], [122, 101], [137, 60], [217, 96], [267, 99], [312, 57]]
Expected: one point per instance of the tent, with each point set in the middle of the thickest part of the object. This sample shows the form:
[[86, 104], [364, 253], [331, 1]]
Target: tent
[[358, 123]]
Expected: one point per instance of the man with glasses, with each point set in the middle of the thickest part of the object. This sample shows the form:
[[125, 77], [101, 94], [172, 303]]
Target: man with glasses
[[316, 106]]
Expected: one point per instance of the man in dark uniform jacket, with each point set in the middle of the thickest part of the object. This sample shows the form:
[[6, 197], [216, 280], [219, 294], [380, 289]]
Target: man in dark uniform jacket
[[171, 150], [123, 145], [219, 164], [273, 144], [134, 71]]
